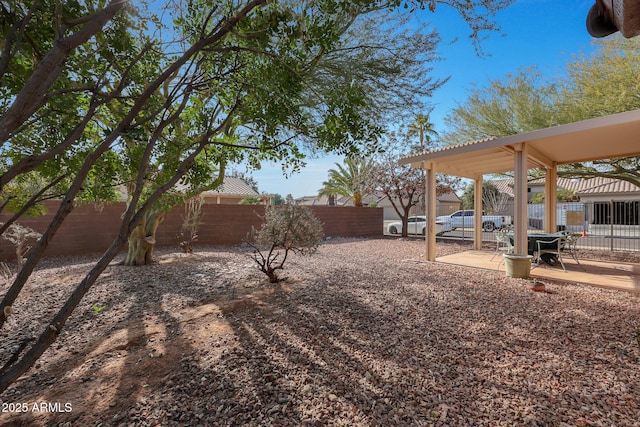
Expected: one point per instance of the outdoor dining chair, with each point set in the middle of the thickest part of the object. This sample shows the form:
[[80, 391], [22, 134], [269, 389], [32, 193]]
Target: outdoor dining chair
[[571, 247], [551, 247], [503, 243]]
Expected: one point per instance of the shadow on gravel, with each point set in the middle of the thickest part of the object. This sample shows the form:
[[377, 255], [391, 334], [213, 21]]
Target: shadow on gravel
[[340, 344]]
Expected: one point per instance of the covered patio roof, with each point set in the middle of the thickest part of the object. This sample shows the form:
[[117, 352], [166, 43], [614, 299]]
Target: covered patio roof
[[601, 138]]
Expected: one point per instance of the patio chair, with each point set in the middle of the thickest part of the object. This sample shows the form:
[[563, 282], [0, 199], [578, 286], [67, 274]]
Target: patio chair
[[551, 247], [571, 248], [503, 243]]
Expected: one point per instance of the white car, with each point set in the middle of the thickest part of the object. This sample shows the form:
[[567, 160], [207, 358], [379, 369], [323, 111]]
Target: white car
[[416, 225]]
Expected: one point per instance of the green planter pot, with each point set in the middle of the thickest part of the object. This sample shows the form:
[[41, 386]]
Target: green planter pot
[[518, 266]]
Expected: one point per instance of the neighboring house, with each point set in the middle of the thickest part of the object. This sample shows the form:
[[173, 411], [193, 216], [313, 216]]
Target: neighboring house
[[587, 189], [231, 192], [445, 204], [606, 198]]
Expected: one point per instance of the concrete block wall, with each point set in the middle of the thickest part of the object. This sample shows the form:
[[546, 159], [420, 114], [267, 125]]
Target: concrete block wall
[[91, 230]]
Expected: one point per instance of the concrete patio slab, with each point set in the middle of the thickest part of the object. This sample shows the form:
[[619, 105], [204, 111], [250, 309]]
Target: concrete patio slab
[[605, 274]]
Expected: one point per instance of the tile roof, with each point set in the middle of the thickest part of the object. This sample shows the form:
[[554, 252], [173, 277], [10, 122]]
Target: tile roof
[[233, 187], [449, 197], [598, 185], [504, 186], [614, 186]]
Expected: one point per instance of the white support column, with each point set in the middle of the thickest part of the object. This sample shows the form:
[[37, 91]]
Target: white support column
[[430, 212], [477, 219], [550, 199], [521, 220]]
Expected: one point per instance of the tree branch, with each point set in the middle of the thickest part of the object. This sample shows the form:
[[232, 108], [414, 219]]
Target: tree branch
[[32, 95]]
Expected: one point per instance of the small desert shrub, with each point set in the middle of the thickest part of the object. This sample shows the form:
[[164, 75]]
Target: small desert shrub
[[19, 235], [287, 228], [191, 223]]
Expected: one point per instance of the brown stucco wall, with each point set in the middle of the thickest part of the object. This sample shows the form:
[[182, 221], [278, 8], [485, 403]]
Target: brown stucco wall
[[87, 230]]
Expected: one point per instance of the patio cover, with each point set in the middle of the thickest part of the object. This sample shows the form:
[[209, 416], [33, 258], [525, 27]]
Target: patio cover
[[607, 137]]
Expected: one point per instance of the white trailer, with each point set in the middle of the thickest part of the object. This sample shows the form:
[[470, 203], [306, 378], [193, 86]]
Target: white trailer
[[569, 217]]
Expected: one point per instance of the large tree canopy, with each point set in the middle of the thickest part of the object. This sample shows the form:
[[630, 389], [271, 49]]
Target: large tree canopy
[[603, 83], [97, 98], [517, 103]]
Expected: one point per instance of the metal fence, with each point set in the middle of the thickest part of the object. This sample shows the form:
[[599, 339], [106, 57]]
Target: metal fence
[[612, 225]]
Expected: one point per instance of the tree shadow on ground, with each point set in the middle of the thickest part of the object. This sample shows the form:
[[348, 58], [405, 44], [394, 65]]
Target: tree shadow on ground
[[103, 377], [344, 345]]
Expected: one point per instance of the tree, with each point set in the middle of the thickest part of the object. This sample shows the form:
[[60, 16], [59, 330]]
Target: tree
[[277, 199], [493, 201], [286, 229], [422, 127], [404, 186], [562, 195], [348, 180], [603, 83], [93, 97], [252, 200], [517, 103]]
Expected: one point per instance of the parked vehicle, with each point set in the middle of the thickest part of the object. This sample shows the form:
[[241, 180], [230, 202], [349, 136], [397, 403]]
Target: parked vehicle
[[416, 225], [465, 219]]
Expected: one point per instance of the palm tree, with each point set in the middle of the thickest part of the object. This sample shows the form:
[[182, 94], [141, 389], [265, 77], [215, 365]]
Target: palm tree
[[348, 180], [424, 129]]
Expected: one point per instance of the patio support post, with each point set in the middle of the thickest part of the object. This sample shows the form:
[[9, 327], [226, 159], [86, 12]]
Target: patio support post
[[521, 221], [430, 212], [550, 199], [477, 218]]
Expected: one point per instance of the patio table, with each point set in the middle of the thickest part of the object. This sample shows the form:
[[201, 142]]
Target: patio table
[[532, 244]]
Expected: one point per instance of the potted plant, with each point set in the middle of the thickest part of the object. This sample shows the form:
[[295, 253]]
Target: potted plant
[[518, 266]]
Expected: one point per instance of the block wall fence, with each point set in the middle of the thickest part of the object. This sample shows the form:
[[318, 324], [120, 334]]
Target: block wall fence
[[89, 230]]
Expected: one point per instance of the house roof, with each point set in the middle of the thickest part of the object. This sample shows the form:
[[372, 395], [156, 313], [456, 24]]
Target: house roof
[[449, 197], [232, 187], [613, 186], [504, 185], [376, 196], [579, 186], [607, 137]]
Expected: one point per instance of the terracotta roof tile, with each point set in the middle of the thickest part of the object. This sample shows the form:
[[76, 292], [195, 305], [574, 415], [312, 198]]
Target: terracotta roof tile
[[233, 186], [598, 185]]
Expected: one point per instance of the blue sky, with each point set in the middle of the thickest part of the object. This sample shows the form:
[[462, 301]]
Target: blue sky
[[546, 33]]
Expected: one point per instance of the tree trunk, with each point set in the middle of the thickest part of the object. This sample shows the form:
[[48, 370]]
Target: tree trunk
[[405, 220], [142, 240]]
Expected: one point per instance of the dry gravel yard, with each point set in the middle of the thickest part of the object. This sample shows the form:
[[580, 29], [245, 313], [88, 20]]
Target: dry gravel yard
[[361, 334]]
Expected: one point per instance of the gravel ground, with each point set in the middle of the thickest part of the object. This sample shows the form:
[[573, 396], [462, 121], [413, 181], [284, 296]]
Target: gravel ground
[[363, 333]]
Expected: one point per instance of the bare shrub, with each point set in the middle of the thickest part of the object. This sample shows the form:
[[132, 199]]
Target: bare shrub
[[287, 228], [19, 235], [191, 223]]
